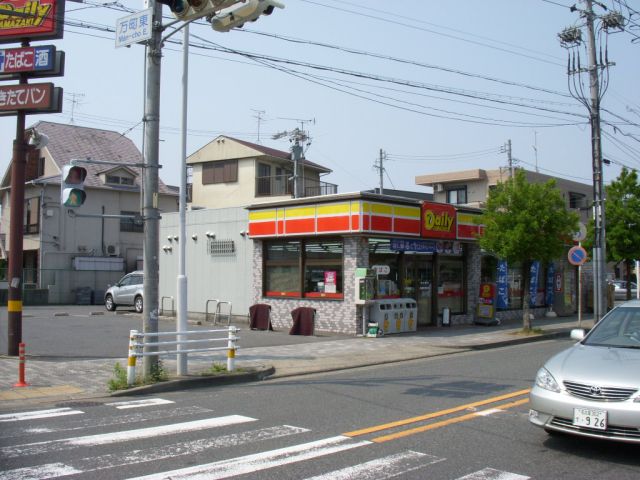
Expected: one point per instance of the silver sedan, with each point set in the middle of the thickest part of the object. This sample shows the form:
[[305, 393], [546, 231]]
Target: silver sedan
[[593, 388]]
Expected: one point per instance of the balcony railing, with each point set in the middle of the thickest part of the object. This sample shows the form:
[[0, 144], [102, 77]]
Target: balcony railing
[[281, 185]]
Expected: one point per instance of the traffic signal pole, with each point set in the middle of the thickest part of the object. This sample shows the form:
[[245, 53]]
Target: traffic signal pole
[[150, 212]]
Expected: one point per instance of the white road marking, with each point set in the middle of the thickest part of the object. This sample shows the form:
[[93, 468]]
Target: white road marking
[[492, 474], [51, 470], [260, 461], [90, 464], [55, 412], [139, 403], [382, 468], [115, 437], [489, 411], [84, 423]]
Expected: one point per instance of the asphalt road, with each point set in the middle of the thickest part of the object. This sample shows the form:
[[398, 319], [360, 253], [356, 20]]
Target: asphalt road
[[328, 426], [86, 332]]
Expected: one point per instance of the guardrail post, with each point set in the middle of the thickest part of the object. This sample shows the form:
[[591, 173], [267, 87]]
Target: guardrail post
[[231, 353], [131, 360]]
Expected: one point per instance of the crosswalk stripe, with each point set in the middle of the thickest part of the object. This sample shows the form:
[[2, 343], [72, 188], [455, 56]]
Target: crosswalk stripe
[[139, 403], [492, 474], [382, 468], [260, 461], [91, 464], [109, 438], [54, 412], [52, 470]]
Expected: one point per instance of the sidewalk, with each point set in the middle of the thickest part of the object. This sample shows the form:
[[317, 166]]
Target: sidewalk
[[64, 380]]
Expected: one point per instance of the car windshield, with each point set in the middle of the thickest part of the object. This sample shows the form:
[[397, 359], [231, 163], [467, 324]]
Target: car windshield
[[620, 328]]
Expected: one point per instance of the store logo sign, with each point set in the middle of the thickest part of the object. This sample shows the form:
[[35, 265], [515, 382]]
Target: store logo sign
[[438, 220], [31, 19]]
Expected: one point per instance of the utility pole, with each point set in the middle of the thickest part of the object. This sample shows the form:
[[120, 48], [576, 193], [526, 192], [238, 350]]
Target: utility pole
[[571, 39], [506, 148], [150, 210], [259, 116], [600, 298], [380, 167], [297, 137]]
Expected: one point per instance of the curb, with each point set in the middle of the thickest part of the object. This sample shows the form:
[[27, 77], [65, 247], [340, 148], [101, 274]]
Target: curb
[[197, 381]]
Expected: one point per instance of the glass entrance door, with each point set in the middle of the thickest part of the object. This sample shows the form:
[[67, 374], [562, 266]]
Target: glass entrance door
[[418, 282]]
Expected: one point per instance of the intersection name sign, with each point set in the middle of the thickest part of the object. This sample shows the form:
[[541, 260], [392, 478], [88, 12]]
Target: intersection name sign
[[134, 28]]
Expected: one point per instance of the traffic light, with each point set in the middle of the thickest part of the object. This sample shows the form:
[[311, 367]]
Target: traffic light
[[192, 9], [177, 7], [247, 11], [72, 188]]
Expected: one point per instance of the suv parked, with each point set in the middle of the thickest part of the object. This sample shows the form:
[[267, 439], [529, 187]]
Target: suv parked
[[128, 291]]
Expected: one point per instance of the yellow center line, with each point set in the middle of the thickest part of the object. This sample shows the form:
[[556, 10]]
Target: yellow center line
[[444, 423], [428, 416]]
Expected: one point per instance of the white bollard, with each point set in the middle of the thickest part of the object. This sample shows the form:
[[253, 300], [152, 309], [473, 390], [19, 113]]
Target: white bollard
[[131, 360], [231, 353]]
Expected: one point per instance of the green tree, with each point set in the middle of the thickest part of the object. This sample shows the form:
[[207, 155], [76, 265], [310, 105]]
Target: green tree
[[524, 222], [622, 217]]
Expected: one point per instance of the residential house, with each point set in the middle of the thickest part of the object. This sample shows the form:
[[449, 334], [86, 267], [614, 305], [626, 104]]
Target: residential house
[[228, 172], [471, 187], [83, 249]]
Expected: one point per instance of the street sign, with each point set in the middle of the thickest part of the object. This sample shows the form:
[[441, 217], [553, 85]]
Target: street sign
[[134, 28], [581, 234], [28, 20], [30, 98], [577, 255]]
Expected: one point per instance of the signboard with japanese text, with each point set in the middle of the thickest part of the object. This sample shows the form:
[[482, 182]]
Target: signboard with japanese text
[[31, 20], [134, 28], [56, 67], [426, 246], [30, 98], [438, 220], [27, 59], [502, 284]]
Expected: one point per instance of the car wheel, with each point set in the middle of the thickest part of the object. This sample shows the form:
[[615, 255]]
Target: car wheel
[[137, 303], [109, 303]]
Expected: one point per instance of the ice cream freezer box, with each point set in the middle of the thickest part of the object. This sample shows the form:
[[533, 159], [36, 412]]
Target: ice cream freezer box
[[394, 315]]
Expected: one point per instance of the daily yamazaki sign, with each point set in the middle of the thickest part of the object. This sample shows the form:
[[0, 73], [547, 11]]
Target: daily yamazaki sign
[[31, 20], [438, 220]]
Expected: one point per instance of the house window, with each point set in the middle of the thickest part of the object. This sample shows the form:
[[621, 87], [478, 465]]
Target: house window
[[130, 224], [119, 180], [220, 172], [31, 216], [577, 200], [457, 195], [320, 262]]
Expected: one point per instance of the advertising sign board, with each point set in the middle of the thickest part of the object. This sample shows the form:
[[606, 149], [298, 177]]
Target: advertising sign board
[[438, 221], [31, 20], [27, 59], [30, 98]]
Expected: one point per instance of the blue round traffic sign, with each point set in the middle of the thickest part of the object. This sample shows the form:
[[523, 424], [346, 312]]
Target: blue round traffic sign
[[577, 255]]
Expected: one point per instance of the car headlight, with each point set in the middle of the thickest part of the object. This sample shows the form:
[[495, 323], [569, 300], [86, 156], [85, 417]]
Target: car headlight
[[545, 380]]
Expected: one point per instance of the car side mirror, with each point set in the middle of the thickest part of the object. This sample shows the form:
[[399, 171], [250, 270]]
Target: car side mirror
[[577, 334]]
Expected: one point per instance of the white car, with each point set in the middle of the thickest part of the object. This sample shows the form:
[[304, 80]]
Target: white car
[[127, 292], [593, 388], [620, 290]]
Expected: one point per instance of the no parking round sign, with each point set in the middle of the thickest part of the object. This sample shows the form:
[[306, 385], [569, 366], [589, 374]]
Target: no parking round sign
[[577, 255]]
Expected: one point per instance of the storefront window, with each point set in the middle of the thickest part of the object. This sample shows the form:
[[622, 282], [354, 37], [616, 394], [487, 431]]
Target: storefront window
[[451, 285], [320, 260], [380, 254], [516, 283], [323, 269], [282, 269]]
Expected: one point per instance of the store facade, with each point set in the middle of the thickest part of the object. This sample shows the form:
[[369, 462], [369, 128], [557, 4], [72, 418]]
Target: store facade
[[308, 252]]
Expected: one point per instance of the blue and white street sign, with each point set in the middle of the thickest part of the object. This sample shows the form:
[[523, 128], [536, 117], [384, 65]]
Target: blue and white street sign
[[134, 28]]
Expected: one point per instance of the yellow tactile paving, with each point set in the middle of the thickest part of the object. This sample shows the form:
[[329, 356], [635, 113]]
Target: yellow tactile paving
[[17, 393]]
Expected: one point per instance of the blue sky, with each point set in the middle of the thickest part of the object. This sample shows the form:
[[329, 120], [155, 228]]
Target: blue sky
[[428, 112]]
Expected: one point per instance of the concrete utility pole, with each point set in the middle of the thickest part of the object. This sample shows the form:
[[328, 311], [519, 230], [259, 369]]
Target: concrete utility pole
[[150, 210], [380, 167], [599, 247], [510, 159]]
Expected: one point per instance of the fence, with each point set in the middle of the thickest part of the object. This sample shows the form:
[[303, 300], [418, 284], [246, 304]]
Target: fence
[[137, 344]]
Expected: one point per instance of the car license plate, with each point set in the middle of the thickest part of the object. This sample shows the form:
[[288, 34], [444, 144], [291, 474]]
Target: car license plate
[[589, 417]]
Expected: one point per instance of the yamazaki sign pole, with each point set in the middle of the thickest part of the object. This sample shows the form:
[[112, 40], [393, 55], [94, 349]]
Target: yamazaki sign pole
[[20, 22]]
